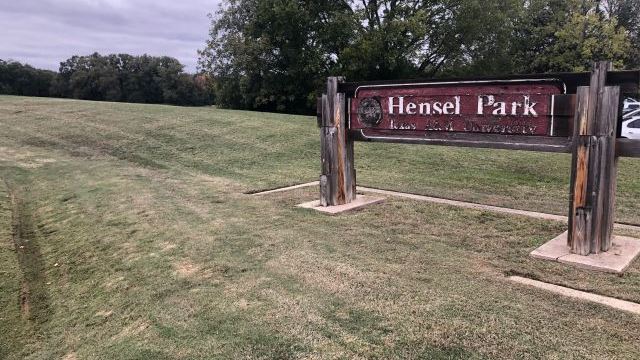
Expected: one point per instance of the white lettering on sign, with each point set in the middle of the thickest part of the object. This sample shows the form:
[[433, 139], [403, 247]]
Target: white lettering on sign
[[487, 104], [499, 108], [528, 107], [512, 107], [425, 108], [400, 105]]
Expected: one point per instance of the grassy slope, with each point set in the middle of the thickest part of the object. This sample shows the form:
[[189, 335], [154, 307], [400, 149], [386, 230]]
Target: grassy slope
[[269, 150], [142, 245]]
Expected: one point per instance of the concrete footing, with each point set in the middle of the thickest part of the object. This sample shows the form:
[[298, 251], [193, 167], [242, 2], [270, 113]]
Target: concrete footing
[[623, 252], [582, 295], [359, 202]]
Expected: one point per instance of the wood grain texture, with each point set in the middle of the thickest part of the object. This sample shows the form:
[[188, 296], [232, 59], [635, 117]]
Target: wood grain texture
[[583, 153], [324, 190], [563, 113], [350, 165], [582, 234], [594, 165], [476, 140], [603, 169], [325, 140], [346, 159], [605, 202], [627, 147], [580, 151], [329, 143], [337, 180], [578, 199], [610, 206], [341, 151], [332, 91]]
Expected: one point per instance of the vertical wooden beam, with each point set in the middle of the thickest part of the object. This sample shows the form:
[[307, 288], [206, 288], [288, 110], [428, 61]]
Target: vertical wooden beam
[[593, 165], [608, 163], [337, 180]]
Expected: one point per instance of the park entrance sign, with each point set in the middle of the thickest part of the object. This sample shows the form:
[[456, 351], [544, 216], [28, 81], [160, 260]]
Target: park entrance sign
[[573, 113], [520, 107]]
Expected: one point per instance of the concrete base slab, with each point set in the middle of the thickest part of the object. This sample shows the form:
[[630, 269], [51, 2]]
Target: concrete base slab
[[359, 202], [553, 249], [624, 250]]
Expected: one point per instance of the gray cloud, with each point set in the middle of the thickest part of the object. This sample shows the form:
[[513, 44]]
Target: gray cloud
[[45, 32]]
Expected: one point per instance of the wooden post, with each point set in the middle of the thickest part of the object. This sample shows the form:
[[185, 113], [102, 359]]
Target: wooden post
[[594, 164], [337, 179]]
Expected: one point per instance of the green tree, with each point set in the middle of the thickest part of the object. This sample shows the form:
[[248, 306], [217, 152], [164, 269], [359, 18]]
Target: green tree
[[275, 54], [272, 54], [587, 38], [25, 80], [122, 77], [627, 13], [566, 35]]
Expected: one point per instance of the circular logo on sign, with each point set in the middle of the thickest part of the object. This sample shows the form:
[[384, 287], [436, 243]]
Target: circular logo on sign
[[370, 111]]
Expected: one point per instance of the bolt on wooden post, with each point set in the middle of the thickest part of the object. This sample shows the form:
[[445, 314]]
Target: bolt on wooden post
[[338, 176], [594, 165]]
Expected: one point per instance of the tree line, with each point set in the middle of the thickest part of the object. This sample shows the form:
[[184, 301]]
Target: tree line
[[274, 55], [19, 79], [116, 77]]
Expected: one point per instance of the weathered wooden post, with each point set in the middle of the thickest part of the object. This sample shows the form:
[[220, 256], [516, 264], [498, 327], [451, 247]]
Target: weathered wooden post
[[594, 164], [338, 176]]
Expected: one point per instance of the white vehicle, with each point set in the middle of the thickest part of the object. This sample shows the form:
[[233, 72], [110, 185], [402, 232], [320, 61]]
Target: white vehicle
[[630, 105], [631, 125], [631, 114]]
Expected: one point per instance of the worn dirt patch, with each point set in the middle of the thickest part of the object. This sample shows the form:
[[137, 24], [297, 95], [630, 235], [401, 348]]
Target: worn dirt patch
[[115, 282], [104, 313], [25, 307], [70, 356], [24, 158], [330, 276], [132, 329], [167, 246], [186, 269]]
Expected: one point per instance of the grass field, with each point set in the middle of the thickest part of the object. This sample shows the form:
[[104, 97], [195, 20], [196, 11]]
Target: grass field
[[126, 233]]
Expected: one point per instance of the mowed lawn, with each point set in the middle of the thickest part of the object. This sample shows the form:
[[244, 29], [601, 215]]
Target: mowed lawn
[[126, 233]]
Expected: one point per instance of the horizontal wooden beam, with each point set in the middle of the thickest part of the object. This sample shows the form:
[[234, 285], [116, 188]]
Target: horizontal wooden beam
[[628, 80], [627, 147], [477, 140], [624, 147]]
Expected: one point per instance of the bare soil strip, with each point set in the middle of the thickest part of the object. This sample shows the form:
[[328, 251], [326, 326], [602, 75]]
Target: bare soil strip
[[34, 298]]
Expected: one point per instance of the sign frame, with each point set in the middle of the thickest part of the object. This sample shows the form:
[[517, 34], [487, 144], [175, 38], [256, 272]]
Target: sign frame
[[592, 102], [468, 85]]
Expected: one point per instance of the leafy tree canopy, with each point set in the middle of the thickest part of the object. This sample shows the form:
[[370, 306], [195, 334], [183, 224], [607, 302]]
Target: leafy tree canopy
[[274, 55], [19, 79], [123, 77]]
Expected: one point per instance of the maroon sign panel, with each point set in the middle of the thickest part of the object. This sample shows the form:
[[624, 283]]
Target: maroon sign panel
[[520, 107]]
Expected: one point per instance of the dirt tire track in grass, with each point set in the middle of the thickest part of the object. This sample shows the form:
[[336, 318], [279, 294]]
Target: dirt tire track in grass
[[34, 297]]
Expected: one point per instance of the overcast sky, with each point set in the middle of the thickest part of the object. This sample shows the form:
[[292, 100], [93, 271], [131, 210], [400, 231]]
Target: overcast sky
[[43, 33]]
